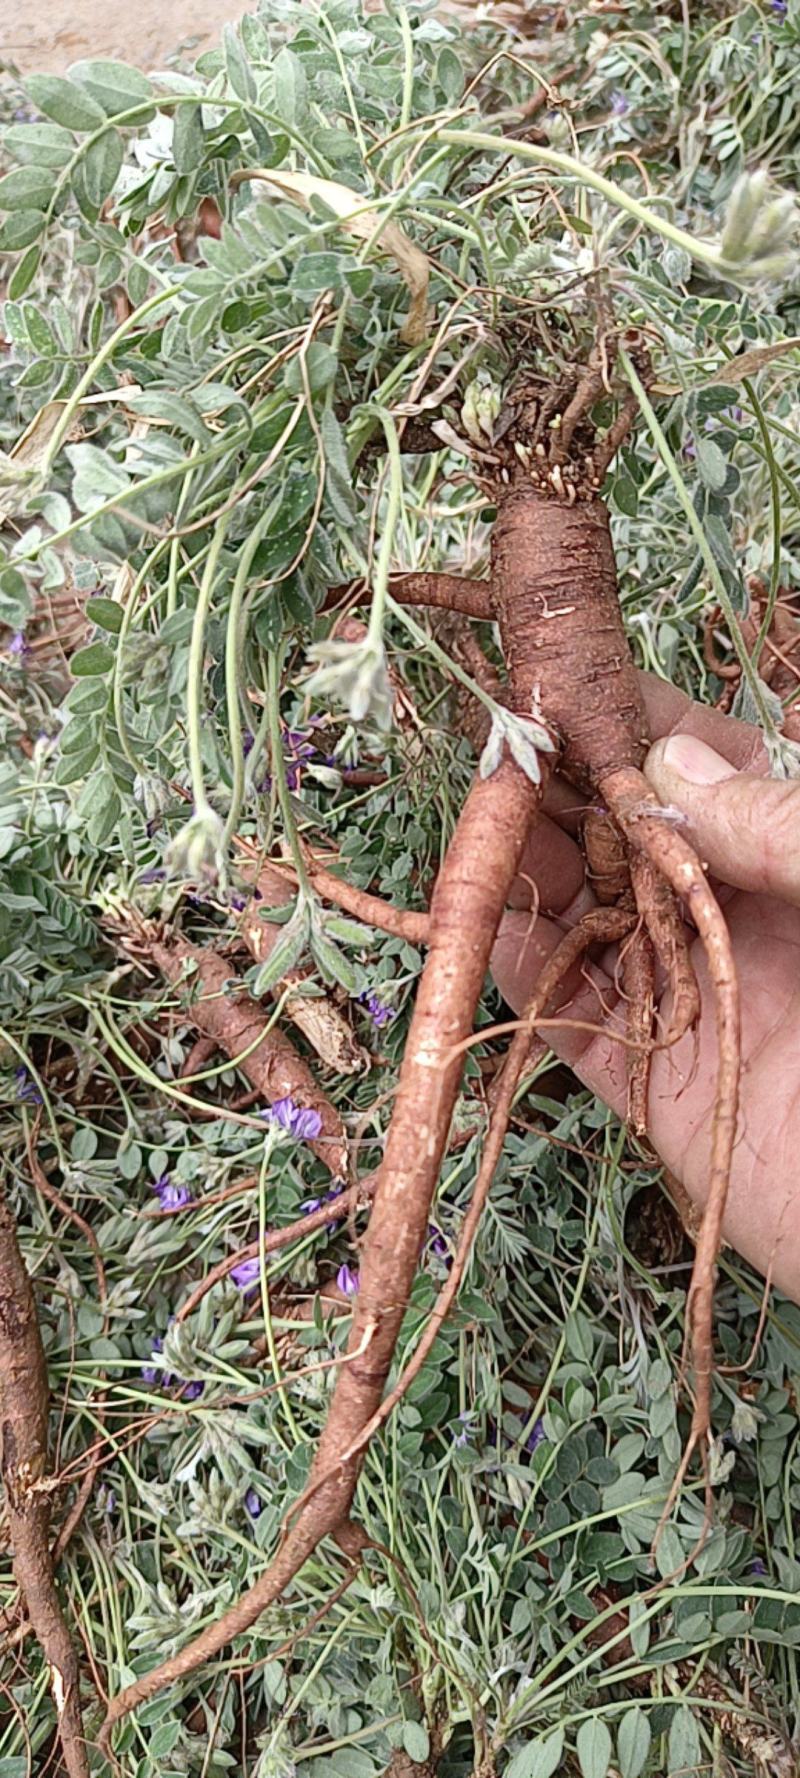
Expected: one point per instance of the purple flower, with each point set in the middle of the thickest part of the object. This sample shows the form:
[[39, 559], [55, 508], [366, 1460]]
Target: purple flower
[[535, 1437], [689, 448], [152, 1373], [462, 1439], [347, 1281], [310, 1205], [379, 1012], [779, 7], [155, 873], [238, 903], [246, 1274], [27, 1090], [619, 103], [437, 1242], [18, 646], [758, 1567], [300, 1121], [254, 1505], [171, 1197], [192, 1391]]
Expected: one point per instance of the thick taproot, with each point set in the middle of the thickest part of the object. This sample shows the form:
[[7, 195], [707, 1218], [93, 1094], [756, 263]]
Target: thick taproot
[[555, 595]]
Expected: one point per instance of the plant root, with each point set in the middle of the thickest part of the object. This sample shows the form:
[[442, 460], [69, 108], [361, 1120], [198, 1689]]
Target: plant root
[[638, 812], [659, 908], [272, 879], [467, 905], [273, 1065], [601, 926], [445, 592], [638, 986], [24, 1398]]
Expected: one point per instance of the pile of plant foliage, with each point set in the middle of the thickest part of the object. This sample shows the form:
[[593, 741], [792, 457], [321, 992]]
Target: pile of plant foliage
[[262, 318]]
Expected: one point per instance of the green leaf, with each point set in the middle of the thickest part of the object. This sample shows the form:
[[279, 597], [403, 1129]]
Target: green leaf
[[59, 907], [290, 87], [101, 167], [105, 814], [633, 1743], [24, 272], [286, 953], [669, 1552], [593, 1744], [92, 662], [238, 69], [333, 964], [39, 332], [416, 1741], [105, 612], [316, 271], [20, 229], [64, 102], [625, 495], [450, 74], [684, 1754], [16, 603], [112, 85], [27, 188], [711, 464], [540, 1759], [321, 368], [188, 139], [72, 768], [349, 932], [39, 145]]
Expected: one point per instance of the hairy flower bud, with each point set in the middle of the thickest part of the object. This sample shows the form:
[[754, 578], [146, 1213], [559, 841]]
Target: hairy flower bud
[[355, 673], [196, 850]]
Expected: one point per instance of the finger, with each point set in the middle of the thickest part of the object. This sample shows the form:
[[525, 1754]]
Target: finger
[[588, 995], [745, 828], [670, 712]]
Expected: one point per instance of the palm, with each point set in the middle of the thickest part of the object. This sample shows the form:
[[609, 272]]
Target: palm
[[766, 938]]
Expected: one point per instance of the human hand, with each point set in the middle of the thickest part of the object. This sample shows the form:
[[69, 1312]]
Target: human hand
[[746, 827]]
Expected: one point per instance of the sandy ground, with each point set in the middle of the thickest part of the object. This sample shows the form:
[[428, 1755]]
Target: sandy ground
[[53, 33]]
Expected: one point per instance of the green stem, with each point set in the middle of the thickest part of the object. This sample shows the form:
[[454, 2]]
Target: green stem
[[85, 382], [393, 509], [194, 689], [269, 1331], [775, 500], [703, 251], [118, 690], [233, 655], [274, 663], [749, 673]]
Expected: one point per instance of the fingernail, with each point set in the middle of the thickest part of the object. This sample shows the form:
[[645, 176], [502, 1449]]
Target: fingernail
[[694, 761]]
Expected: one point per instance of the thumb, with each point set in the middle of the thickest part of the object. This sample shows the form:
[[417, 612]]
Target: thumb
[[746, 829]]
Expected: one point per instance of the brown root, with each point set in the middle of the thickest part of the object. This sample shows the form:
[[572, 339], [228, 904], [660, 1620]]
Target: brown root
[[658, 907], [632, 802], [446, 592], [24, 1396], [602, 926], [638, 986], [239, 1026], [370, 909], [607, 864]]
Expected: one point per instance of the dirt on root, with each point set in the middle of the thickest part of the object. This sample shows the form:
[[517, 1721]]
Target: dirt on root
[[56, 33]]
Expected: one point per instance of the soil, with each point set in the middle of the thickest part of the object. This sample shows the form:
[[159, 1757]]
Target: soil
[[56, 33]]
